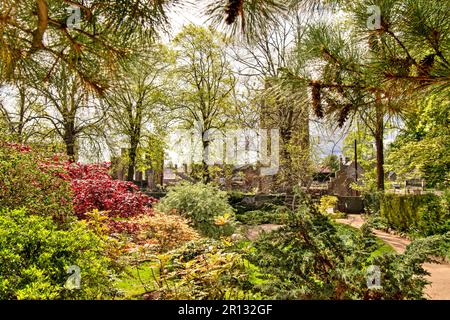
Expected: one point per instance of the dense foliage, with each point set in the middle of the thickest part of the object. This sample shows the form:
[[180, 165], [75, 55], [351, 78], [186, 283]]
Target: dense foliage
[[93, 78], [425, 215], [29, 180], [52, 186], [426, 128], [206, 269], [310, 258], [35, 254], [204, 205], [273, 214], [258, 217], [165, 232], [371, 202], [328, 206]]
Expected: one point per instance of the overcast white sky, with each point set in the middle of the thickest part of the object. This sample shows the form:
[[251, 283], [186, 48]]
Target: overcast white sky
[[188, 14]]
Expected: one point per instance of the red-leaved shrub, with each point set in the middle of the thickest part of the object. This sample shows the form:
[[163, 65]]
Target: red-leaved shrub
[[131, 226], [94, 188], [49, 184]]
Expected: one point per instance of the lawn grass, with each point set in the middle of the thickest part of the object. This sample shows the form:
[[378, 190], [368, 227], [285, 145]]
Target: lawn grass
[[136, 281]]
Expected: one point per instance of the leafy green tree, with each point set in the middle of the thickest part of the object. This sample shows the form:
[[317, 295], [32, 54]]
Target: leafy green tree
[[205, 82], [331, 161], [138, 103], [371, 71], [365, 152], [345, 86], [73, 112], [423, 147], [279, 104]]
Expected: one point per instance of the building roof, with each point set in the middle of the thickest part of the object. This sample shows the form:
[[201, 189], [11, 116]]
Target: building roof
[[324, 169]]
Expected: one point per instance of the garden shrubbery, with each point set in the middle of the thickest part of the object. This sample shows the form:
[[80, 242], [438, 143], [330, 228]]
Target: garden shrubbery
[[35, 254], [94, 188], [309, 258], [328, 206], [204, 205], [52, 186], [165, 232], [371, 202], [206, 270], [29, 180], [272, 214], [41, 196]]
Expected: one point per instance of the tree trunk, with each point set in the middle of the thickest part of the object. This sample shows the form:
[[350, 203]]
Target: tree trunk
[[380, 162], [21, 125], [379, 145], [132, 157], [69, 141], [206, 178]]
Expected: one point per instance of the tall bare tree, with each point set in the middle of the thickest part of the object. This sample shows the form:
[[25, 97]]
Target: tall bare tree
[[20, 115]]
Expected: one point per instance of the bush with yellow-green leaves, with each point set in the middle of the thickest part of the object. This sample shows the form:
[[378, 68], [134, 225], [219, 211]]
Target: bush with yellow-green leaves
[[327, 206], [36, 252]]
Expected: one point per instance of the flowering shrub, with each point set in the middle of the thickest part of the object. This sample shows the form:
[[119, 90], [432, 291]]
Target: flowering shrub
[[53, 186], [130, 226], [18, 147], [94, 188], [88, 172], [116, 197]]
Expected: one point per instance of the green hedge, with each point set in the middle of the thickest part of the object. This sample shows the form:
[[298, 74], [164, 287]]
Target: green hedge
[[424, 214]]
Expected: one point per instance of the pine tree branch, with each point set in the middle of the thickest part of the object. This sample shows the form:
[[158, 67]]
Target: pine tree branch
[[400, 43], [42, 24]]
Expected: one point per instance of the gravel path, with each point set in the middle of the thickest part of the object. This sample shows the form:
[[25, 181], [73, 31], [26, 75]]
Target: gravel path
[[439, 289]]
